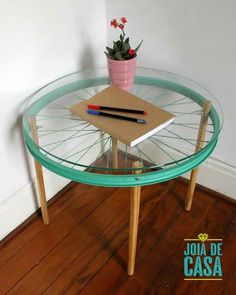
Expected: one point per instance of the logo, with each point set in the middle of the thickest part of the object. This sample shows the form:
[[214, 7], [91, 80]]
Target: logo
[[202, 258]]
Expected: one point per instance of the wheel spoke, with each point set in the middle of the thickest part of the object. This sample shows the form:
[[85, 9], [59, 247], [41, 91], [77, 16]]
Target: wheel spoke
[[164, 151]]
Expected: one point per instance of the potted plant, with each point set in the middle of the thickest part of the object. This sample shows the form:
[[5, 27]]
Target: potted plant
[[121, 58]]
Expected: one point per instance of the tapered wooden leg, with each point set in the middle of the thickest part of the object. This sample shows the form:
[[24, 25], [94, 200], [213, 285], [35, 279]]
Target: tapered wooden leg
[[191, 189], [41, 191], [39, 174], [134, 218], [114, 153], [199, 145]]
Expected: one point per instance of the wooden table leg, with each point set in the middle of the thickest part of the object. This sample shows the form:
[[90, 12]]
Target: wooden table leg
[[199, 145], [134, 218], [39, 174], [114, 153]]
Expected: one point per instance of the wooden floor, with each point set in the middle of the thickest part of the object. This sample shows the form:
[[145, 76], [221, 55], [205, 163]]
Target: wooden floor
[[84, 249]]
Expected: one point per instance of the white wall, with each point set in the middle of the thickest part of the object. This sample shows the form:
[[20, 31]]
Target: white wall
[[42, 40], [194, 38], [39, 42]]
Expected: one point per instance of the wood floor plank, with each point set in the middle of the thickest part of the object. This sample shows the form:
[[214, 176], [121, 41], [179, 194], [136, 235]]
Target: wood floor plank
[[171, 274], [148, 268], [86, 265], [74, 244], [229, 261], [79, 274], [85, 248], [228, 267], [154, 222], [48, 238], [29, 231]]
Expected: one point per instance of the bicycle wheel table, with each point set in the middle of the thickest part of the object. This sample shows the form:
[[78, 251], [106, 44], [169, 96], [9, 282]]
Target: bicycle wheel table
[[73, 148]]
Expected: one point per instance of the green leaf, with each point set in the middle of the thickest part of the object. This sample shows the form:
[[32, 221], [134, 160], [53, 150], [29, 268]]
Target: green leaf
[[110, 50], [137, 48], [117, 45], [118, 55], [127, 40], [108, 55], [126, 56], [126, 47]]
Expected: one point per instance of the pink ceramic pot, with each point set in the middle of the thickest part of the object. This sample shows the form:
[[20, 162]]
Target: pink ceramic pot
[[122, 72]]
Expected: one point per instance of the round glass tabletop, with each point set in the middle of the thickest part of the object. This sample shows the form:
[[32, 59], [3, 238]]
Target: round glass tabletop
[[71, 147]]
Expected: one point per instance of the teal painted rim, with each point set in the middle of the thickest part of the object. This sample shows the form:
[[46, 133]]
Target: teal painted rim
[[126, 180]]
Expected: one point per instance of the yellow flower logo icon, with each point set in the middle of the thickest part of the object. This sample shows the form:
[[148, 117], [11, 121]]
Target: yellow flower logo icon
[[203, 237]]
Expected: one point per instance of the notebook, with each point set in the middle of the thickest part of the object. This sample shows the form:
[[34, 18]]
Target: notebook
[[130, 133]]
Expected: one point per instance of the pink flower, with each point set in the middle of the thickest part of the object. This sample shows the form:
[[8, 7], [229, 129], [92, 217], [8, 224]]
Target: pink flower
[[114, 23], [123, 19], [121, 26], [131, 52]]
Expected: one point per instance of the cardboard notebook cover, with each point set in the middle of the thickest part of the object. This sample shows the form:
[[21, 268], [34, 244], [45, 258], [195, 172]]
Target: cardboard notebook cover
[[127, 132]]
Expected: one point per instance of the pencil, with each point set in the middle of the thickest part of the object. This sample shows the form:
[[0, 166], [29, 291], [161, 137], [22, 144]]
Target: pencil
[[98, 107], [98, 113]]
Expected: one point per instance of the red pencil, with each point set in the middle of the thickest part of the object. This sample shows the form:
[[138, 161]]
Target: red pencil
[[98, 107]]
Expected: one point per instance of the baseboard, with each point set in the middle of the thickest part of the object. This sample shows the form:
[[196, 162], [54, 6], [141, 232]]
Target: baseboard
[[19, 207], [214, 174], [23, 204], [218, 176]]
